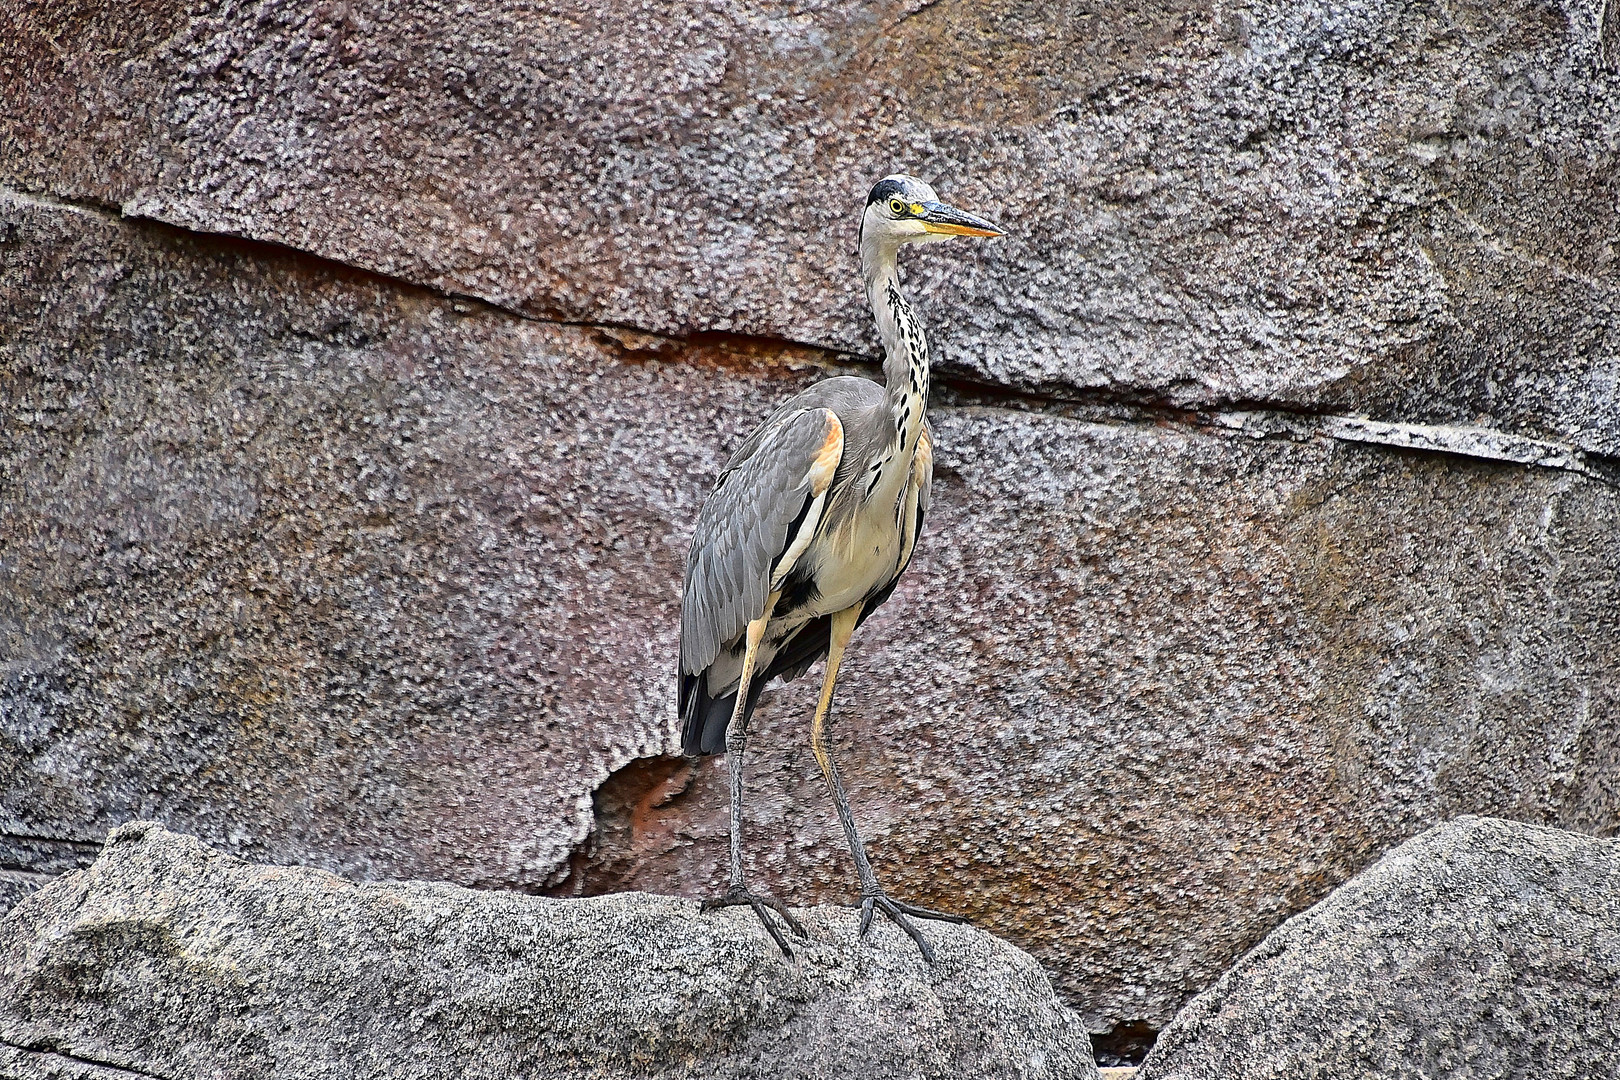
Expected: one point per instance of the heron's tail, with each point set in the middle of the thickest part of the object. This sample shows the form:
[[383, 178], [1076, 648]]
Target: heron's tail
[[704, 719]]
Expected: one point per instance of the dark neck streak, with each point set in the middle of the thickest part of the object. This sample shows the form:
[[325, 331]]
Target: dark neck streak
[[905, 364], [905, 360]]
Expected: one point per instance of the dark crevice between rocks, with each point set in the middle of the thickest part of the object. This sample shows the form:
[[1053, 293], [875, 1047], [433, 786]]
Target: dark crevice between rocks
[[627, 827], [1126, 1043], [29, 861], [27, 853], [1609, 34], [742, 354], [70, 843], [264, 250], [80, 204], [758, 354], [1247, 418], [1269, 420], [106, 1068], [1118, 405]]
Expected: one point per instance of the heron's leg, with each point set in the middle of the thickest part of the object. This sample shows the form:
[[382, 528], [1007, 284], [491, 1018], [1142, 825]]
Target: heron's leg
[[736, 745], [872, 895]]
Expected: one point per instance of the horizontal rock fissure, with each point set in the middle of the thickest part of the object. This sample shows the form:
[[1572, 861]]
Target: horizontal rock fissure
[[84, 205], [107, 1067], [65, 841], [115, 213], [1260, 419], [1480, 444], [1263, 420]]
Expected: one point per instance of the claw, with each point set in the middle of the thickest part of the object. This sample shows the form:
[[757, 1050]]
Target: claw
[[897, 911], [736, 896]]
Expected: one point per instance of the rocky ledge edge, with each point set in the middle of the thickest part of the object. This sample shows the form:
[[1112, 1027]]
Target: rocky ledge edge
[[168, 959], [1481, 948]]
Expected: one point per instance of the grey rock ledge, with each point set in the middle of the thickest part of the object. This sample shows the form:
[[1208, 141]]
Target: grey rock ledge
[[168, 959], [1481, 948]]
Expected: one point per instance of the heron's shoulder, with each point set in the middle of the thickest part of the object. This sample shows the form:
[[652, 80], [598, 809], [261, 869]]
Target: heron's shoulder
[[849, 397], [845, 395], [840, 393], [790, 427], [861, 407]]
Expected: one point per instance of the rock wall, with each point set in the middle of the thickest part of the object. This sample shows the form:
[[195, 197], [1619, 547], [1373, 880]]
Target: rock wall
[[1407, 209], [362, 372]]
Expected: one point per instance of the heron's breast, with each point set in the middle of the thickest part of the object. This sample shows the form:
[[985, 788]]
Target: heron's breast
[[860, 553]]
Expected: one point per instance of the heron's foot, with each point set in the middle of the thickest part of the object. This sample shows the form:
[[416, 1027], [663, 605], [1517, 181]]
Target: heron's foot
[[899, 913], [737, 895]]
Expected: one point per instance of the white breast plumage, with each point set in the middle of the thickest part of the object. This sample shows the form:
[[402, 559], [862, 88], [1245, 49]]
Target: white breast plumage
[[865, 552]]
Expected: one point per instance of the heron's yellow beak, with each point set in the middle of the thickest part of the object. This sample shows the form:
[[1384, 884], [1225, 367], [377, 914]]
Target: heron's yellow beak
[[948, 220]]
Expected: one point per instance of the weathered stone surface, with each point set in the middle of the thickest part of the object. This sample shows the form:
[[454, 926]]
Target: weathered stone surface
[[1405, 209], [1143, 672], [330, 570], [1481, 948], [173, 960], [308, 559], [16, 884]]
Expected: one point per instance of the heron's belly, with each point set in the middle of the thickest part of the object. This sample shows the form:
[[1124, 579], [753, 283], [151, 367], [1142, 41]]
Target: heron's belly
[[847, 565], [846, 568], [854, 562]]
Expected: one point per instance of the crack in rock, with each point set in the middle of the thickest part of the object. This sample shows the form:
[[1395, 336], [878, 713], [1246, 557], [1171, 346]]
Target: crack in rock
[[87, 1067], [1481, 443], [1486, 444]]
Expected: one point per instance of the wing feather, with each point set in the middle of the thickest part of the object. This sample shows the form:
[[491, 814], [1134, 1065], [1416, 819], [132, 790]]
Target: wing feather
[[744, 527]]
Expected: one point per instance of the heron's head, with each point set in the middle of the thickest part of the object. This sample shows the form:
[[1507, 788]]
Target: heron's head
[[904, 210]]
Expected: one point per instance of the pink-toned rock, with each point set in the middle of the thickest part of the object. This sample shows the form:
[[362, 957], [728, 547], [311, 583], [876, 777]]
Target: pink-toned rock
[[1277, 442], [330, 570], [1387, 208]]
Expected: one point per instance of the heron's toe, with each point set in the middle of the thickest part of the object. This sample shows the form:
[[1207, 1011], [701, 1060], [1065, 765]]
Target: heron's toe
[[737, 896], [900, 914]]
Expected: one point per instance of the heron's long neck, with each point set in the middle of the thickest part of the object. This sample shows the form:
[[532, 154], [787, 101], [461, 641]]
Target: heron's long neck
[[905, 346]]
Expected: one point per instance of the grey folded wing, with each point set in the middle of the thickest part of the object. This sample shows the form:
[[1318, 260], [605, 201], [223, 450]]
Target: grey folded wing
[[746, 526]]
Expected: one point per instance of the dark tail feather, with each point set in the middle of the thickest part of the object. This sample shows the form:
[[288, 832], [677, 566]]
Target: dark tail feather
[[712, 735], [695, 708], [704, 719]]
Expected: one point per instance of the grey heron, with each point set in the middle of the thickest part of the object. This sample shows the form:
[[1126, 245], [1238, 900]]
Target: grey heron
[[808, 528]]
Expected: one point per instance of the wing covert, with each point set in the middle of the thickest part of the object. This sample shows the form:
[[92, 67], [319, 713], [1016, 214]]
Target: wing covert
[[745, 526]]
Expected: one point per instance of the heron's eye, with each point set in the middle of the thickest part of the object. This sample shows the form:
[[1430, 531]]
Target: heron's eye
[[897, 207]]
